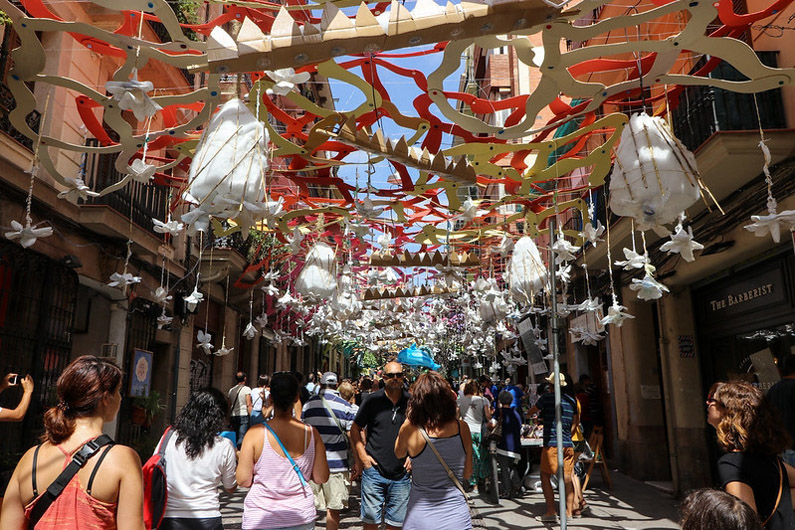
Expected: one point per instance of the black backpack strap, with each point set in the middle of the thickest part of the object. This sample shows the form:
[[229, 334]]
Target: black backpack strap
[[56, 488], [33, 474], [161, 449], [96, 468]]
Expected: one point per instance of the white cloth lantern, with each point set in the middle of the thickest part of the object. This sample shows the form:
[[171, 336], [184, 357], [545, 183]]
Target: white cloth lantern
[[654, 177], [228, 167], [317, 280], [527, 272]]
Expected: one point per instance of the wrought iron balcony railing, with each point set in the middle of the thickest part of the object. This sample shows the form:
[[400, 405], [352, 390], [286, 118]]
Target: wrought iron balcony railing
[[140, 202]]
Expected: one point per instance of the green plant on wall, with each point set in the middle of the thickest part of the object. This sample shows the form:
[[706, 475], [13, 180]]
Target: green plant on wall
[[151, 405], [188, 11]]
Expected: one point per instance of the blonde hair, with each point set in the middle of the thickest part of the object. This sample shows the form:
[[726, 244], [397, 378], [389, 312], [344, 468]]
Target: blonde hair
[[346, 391]]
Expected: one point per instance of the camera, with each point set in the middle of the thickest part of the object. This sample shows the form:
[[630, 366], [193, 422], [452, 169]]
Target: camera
[[14, 380]]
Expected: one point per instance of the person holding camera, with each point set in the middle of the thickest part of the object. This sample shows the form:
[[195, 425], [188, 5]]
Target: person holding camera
[[26, 383]]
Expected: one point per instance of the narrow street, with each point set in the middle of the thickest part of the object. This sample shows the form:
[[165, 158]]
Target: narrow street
[[631, 505]]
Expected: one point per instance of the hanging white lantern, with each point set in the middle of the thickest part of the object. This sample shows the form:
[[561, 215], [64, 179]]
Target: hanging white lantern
[[227, 170], [527, 272], [317, 280], [654, 177]]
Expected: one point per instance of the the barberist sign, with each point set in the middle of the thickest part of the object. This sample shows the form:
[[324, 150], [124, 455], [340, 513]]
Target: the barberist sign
[[741, 297]]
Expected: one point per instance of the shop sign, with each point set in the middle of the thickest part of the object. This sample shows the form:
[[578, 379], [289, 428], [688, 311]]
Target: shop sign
[[735, 298]]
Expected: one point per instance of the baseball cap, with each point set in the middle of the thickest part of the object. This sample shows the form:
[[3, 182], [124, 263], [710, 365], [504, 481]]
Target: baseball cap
[[329, 378]]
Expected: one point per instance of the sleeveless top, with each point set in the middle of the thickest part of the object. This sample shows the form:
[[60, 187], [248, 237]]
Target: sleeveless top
[[276, 498], [75, 507], [434, 501]]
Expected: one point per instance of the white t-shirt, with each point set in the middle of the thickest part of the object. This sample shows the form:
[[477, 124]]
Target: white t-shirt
[[193, 484], [237, 399], [258, 397], [472, 411]]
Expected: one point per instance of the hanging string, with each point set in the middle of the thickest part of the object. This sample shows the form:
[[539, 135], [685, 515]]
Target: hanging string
[[609, 257], [34, 168]]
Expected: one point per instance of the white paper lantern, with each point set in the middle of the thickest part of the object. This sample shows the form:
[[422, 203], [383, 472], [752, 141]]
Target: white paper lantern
[[527, 272], [318, 279], [228, 166], [654, 177]]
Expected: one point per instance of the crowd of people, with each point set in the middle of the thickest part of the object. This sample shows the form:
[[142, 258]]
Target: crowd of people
[[416, 447]]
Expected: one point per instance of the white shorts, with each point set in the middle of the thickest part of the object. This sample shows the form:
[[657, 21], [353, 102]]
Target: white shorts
[[333, 495]]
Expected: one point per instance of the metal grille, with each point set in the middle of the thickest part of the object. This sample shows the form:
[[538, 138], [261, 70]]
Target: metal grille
[[7, 102], [37, 306], [201, 373]]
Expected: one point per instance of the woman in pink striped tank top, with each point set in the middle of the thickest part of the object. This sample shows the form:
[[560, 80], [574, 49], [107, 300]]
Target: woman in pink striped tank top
[[281, 497]]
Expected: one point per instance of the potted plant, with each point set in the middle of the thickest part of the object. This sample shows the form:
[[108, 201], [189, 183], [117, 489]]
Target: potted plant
[[146, 408]]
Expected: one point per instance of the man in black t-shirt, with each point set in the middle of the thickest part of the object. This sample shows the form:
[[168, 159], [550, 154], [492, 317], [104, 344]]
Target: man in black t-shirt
[[385, 482], [782, 397]]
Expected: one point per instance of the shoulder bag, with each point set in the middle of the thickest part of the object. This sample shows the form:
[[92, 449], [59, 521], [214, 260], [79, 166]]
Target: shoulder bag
[[477, 519], [55, 489], [334, 417]]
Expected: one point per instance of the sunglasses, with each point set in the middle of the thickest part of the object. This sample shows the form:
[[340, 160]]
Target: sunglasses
[[712, 401], [394, 375]]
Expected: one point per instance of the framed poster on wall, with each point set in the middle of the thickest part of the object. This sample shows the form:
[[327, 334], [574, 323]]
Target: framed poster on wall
[[141, 373]]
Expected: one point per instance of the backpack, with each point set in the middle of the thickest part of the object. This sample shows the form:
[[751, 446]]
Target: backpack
[[155, 487]]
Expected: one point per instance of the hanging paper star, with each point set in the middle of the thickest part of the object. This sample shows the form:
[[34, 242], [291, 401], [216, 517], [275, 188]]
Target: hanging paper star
[[295, 241], [616, 314], [270, 289], [141, 171], [262, 321], [506, 246], [648, 288], [270, 276], [564, 273], [633, 261], [682, 243], [163, 320], [773, 223], [385, 240], [469, 210], [286, 301], [123, 279], [222, 351], [367, 210], [204, 341], [169, 227], [27, 234], [564, 251], [76, 189], [285, 79], [593, 234], [590, 305], [193, 299], [132, 95], [161, 296]]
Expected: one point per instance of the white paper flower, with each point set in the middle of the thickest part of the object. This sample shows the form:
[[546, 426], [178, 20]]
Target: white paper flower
[[270, 276], [564, 273], [169, 227], [193, 299], [204, 341], [590, 305], [117, 280], [270, 289], [648, 288], [564, 251], [385, 239], [616, 314], [682, 243], [132, 95], [633, 261], [76, 189], [250, 332], [469, 210], [161, 296], [367, 210], [593, 234], [286, 301], [222, 351], [360, 230], [772, 224], [163, 320], [295, 241], [141, 171], [506, 246], [285, 79], [27, 234], [262, 321]]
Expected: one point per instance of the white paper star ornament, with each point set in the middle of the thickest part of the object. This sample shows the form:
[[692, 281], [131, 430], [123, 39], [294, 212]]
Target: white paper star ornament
[[285, 79], [204, 342], [193, 299], [76, 189], [119, 280], [250, 332], [616, 314], [648, 288], [593, 233], [132, 95], [169, 227], [772, 224], [633, 261], [141, 171], [27, 234], [682, 243], [161, 296]]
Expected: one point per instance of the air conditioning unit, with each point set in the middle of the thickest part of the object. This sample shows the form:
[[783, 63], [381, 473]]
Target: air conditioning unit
[[109, 349]]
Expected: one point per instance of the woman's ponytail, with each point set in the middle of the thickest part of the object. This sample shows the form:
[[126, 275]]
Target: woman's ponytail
[[57, 425]]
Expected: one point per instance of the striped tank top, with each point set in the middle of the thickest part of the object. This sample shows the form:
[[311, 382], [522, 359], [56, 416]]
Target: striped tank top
[[276, 498]]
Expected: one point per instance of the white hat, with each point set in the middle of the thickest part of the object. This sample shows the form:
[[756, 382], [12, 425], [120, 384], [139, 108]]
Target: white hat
[[328, 378]]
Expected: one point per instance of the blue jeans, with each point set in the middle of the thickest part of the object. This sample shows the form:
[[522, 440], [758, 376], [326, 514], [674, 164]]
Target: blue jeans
[[240, 426], [788, 456], [383, 498]]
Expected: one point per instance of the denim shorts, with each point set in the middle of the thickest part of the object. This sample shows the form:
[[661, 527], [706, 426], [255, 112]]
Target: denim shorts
[[383, 498]]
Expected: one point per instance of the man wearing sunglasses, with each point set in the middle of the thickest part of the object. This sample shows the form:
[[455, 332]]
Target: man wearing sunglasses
[[385, 481]]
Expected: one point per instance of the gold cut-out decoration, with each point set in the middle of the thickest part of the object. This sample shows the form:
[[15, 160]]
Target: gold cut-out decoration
[[373, 293], [400, 151], [385, 258], [290, 45]]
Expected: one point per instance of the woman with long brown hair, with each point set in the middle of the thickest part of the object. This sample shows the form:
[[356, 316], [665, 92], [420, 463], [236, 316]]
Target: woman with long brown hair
[[107, 493], [435, 502], [752, 436]]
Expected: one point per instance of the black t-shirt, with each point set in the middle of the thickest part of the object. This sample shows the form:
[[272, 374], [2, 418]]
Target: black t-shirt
[[782, 397], [761, 473], [383, 419]]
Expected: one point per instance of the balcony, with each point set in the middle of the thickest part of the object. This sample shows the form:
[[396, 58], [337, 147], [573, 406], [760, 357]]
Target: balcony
[[704, 111], [136, 201]]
